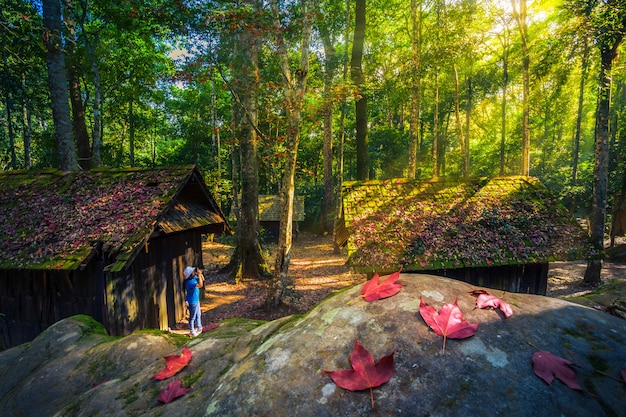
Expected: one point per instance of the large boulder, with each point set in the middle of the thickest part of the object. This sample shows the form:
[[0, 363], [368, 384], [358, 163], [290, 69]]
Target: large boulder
[[246, 368]]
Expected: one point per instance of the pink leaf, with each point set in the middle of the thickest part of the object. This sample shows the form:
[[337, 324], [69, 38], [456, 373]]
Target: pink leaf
[[375, 290], [448, 322], [174, 390], [486, 300], [547, 366]]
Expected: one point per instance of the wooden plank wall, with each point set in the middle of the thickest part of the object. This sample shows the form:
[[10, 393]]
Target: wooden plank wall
[[32, 300], [150, 293], [527, 279]]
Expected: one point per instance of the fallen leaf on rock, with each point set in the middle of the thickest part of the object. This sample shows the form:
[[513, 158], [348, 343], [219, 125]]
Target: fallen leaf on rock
[[486, 300], [174, 364], [374, 289], [547, 366], [364, 373], [174, 390], [448, 322]]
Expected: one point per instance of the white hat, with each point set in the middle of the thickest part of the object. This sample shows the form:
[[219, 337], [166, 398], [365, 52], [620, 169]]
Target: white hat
[[188, 271]]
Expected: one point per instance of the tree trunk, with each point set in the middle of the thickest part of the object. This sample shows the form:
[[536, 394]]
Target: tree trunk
[[504, 41], [57, 82], [618, 223], [247, 259], [468, 114], [342, 130], [601, 155], [8, 105], [96, 144], [80, 126], [26, 128], [294, 90], [459, 127], [78, 108], [579, 113], [436, 145], [356, 66], [523, 29], [131, 133], [416, 59], [329, 195]]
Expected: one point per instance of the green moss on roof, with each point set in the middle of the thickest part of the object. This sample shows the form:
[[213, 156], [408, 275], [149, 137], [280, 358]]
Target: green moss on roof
[[446, 224], [53, 220]]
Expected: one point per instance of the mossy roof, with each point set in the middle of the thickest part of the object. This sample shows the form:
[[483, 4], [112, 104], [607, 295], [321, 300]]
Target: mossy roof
[[445, 224], [55, 220]]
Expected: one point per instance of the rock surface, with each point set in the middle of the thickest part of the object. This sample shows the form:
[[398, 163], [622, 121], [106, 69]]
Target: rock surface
[[248, 368]]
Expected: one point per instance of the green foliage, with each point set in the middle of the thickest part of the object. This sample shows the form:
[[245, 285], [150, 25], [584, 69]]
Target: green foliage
[[173, 62]]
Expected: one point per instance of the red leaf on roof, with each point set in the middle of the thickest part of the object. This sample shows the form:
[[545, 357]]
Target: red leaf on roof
[[364, 373], [547, 366], [174, 364], [486, 300], [374, 289], [174, 390], [448, 322]]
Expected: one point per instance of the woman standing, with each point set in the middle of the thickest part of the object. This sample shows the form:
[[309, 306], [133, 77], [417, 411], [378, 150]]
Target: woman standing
[[194, 280]]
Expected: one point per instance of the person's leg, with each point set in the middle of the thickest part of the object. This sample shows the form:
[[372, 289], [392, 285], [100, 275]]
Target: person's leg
[[198, 319], [193, 309]]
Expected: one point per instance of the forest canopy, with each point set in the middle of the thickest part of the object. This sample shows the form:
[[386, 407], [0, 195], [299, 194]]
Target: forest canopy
[[452, 88]]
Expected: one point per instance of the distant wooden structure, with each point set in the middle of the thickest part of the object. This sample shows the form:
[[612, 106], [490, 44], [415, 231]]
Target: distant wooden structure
[[111, 244], [499, 233], [269, 214]]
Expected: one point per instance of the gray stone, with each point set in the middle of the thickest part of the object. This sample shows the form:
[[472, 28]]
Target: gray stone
[[277, 368]]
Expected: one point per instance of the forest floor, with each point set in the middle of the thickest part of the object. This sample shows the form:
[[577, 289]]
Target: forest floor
[[318, 271]]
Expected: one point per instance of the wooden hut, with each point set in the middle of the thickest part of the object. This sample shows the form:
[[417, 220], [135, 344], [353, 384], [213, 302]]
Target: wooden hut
[[269, 215], [111, 244], [499, 233]]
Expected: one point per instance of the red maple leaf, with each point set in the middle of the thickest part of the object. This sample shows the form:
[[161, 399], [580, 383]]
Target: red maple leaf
[[375, 290], [547, 366], [364, 373], [173, 391], [174, 364], [486, 300], [448, 322]]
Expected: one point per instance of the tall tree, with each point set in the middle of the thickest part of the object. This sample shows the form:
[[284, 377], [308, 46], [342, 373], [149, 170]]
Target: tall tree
[[294, 86], [505, 43], [324, 26], [416, 63], [579, 113], [356, 71], [609, 26], [247, 259], [57, 82], [521, 17], [76, 96]]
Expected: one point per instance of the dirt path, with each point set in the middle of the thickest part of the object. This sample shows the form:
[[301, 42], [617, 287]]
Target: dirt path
[[318, 272]]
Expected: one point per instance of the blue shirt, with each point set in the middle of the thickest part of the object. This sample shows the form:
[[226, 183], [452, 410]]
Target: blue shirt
[[193, 292]]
